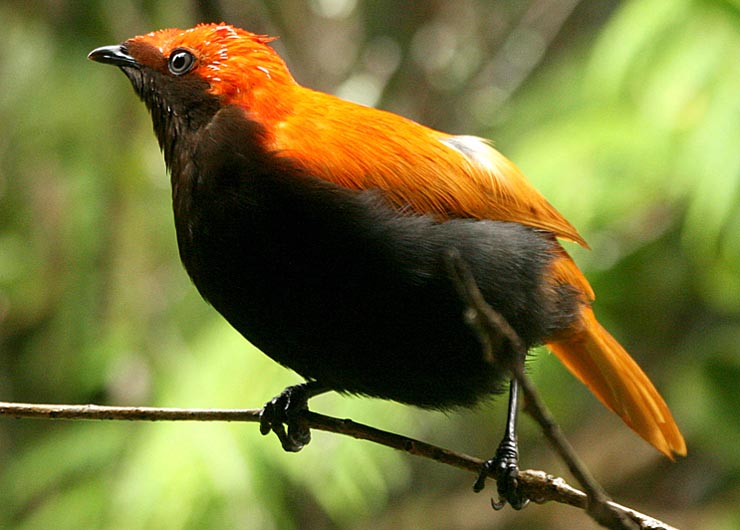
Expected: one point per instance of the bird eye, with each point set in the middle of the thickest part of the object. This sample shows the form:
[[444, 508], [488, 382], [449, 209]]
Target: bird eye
[[181, 62]]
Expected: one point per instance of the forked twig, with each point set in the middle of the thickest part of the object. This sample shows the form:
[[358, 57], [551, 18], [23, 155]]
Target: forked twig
[[538, 486], [492, 329]]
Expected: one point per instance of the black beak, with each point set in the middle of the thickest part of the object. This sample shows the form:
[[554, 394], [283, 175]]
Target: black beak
[[116, 55]]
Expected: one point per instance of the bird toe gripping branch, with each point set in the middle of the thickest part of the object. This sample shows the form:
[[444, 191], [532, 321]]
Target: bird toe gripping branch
[[285, 410]]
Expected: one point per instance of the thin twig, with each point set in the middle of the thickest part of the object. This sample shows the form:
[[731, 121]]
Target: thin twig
[[101, 412], [493, 328], [537, 485]]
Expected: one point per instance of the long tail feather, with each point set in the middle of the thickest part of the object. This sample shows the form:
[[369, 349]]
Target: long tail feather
[[600, 362]]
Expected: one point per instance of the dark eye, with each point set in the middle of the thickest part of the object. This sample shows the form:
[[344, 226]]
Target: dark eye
[[181, 62]]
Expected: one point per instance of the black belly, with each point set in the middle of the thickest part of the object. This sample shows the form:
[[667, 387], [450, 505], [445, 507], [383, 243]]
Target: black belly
[[346, 291]]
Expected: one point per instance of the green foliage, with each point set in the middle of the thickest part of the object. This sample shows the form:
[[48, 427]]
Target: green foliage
[[629, 124]]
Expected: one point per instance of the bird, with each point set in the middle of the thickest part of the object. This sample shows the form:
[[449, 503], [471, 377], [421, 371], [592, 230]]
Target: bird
[[322, 231]]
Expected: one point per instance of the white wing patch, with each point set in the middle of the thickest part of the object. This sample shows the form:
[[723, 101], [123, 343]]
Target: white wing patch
[[511, 196], [477, 150]]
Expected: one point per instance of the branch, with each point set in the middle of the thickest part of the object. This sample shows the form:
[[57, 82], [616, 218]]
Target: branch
[[537, 485], [494, 331]]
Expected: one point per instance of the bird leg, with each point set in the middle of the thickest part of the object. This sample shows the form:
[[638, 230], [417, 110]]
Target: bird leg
[[285, 409], [505, 463]]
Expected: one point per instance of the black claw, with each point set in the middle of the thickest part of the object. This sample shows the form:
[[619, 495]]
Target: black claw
[[505, 468], [507, 481], [505, 463], [285, 410], [480, 482]]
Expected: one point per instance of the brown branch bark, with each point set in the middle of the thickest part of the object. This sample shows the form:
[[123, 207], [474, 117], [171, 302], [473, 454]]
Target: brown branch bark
[[539, 486]]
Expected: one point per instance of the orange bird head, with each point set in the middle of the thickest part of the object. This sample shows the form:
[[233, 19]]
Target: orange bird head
[[239, 67]]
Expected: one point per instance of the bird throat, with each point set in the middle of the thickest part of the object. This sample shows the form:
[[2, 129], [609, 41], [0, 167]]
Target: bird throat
[[179, 108]]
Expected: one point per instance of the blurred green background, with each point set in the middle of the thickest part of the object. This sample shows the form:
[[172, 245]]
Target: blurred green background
[[626, 115]]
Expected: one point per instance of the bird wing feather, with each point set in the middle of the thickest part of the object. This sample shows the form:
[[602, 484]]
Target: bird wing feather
[[416, 167]]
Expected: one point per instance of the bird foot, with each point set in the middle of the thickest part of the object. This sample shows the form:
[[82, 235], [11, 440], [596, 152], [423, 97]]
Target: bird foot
[[505, 468], [285, 410]]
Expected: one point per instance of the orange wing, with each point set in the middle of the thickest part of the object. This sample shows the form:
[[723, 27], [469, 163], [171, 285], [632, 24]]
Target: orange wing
[[417, 167]]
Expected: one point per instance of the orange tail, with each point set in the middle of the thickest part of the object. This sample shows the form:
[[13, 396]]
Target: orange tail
[[600, 362]]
